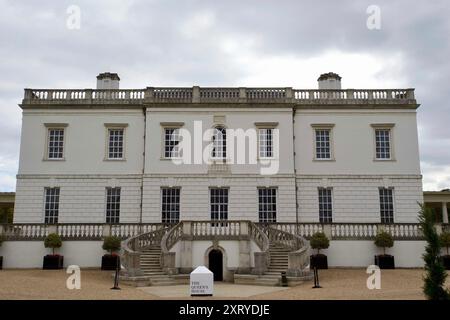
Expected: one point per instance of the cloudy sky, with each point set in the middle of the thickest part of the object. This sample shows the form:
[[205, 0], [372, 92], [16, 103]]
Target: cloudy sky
[[229, 43]]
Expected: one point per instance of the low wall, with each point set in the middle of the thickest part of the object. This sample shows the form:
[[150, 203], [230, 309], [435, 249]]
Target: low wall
[[29, 254], [341, 253]]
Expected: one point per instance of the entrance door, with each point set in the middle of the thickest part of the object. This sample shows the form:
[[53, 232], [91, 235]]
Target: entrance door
[[216, 264]]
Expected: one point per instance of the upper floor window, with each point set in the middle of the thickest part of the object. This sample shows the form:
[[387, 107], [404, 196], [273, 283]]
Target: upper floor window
[[323, 150], [55, 147], [171, 143], [51, 206], [219, 148], [386, 205], [170, 205], [323, 141], [266, 142], [325, 205], [383, 141], [267, 204], [112, 205], [115, 143]]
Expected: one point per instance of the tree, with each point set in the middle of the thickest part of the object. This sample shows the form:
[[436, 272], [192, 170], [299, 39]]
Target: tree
[[445, 240], [435, 273], [319, 241], [111, 244], [53, 240], [384, 240]]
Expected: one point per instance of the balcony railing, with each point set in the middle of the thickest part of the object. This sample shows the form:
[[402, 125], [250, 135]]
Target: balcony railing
[[218, 95], [205, 229]]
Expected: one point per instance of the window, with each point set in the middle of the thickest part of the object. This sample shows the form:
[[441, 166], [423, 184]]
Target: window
[[382, 143], [219, 203], [170, 208], [386, 205], [171, 142], [266, 143], [112, 205], [267, 198], [219, 150], [51, 205], [55, 146], [325, 205], [323, 146], [115, 143]]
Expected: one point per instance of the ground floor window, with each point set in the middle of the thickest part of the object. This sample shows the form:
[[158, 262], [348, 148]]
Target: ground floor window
[[267, 204], [170, 208], [51, 205], [386, 205], [219, 203], [325, 205], [112, 205]]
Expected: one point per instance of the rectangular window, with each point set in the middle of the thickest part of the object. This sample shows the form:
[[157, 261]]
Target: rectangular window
[[115, 143], [265, 143], [386, 205], [51, 205], [112, 205], [171, 141], [219, 144], [383, 143], [323, 149], [170, 205], [219, 203], [325, 205], [267, 198], [55, 146]]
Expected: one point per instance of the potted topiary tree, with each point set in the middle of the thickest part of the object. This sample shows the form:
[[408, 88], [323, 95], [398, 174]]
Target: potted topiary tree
[[53, 261], [110, 261], [445, 242], [384, 240], [319, 241]]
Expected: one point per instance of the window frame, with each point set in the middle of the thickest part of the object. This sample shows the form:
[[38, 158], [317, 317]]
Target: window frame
[[162, 203], [392, 218], [383, 126], [259, 204], [116, 216], [224, 152], [164, 126], [48, 128], [54, 218], [325, 217], [323, 127], [219, 204], [116, 126]]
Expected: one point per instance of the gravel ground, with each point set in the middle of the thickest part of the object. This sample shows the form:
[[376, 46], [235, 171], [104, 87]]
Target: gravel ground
[[95, 284]]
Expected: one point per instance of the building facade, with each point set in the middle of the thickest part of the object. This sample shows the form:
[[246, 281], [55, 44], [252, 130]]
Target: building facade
[[343, 161]]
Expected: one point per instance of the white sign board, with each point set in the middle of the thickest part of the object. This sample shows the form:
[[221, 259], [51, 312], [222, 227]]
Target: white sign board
[[202, 281]]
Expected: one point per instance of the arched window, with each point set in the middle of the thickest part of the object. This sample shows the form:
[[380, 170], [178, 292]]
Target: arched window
[[219, 150]]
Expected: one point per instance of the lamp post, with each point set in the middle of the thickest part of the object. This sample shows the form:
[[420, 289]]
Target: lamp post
[[116, 277]]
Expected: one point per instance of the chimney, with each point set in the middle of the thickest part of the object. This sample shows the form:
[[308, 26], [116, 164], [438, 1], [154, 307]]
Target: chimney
[[108, 80], [329, 81]]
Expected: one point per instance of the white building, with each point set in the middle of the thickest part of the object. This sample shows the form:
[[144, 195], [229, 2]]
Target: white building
[[342, 161]]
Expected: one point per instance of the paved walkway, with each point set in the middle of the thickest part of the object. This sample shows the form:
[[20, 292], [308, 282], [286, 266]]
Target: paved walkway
[[221, 290]]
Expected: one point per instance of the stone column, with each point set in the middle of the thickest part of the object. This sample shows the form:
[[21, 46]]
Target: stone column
[[195, 94], [186, 248], [444, 212]]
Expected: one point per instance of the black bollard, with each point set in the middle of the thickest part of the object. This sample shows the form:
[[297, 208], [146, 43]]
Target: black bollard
[[316, 279], [116, 277]]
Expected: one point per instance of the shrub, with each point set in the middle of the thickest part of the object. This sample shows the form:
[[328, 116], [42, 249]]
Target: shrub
[[435, 276], [53, 240], [384, 240], [445, 240], [111, 244], [319, 241]]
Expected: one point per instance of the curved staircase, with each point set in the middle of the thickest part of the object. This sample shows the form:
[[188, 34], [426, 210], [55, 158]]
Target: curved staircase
[[151, 267]]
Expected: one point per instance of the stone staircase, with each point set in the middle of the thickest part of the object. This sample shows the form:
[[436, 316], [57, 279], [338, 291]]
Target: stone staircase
[[151, 267]]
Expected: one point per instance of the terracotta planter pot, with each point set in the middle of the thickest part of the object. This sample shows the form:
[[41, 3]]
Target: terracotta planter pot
[[109, 262], [446, 261], [1, 262]]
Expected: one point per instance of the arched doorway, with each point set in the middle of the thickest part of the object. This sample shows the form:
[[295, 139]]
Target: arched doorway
[[215, 258]]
